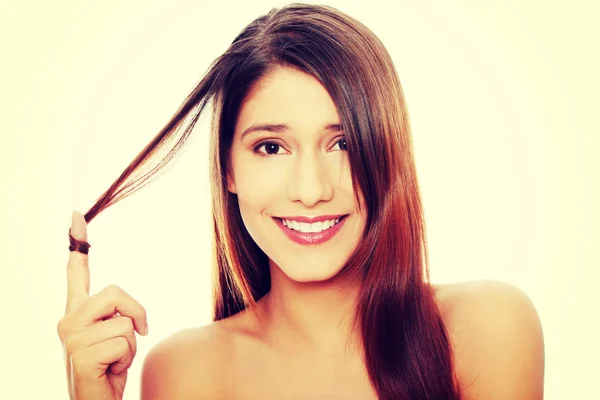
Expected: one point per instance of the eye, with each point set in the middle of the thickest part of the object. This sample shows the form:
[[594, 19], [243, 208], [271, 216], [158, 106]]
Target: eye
[[342, 143], [271, 148]]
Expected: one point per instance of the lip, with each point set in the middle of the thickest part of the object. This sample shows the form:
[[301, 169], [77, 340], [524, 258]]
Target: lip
[[314, 219], [311, 238]]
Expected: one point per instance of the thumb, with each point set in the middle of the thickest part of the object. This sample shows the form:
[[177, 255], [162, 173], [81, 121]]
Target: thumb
[[78, 273]]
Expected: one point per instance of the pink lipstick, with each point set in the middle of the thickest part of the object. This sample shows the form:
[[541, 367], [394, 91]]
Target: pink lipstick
[[310, 238]]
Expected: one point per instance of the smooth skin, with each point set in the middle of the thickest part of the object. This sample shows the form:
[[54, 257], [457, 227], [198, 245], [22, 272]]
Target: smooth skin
[[97, 332], [493, 327]]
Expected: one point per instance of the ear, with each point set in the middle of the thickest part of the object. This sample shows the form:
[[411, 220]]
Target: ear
[[230, 183]]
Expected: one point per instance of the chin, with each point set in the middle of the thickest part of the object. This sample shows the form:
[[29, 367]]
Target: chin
[[309, 270]]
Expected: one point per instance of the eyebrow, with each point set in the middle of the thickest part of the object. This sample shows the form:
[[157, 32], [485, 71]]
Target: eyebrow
[[280, 128]]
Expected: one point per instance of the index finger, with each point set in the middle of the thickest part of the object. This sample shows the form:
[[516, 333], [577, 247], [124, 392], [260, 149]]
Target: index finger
[[78, 272]]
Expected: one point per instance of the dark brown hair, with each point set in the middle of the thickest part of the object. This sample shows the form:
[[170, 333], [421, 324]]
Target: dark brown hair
[[406, 345]]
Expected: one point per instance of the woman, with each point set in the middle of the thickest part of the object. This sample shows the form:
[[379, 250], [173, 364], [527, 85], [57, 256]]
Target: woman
[[321, 281]]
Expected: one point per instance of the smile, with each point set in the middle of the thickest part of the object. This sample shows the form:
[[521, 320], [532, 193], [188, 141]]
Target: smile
[[310, 228], [310, 234]]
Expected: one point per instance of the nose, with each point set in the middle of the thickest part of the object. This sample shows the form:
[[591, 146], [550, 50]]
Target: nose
[[311, 179]]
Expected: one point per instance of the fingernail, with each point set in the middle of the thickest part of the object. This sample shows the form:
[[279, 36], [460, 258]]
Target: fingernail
[[146, 330]]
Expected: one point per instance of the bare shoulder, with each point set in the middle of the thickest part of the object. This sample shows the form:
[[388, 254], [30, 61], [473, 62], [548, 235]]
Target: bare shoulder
[[497, 339], [187, 364]]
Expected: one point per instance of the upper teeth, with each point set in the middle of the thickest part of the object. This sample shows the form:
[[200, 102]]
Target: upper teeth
[[310, 228]]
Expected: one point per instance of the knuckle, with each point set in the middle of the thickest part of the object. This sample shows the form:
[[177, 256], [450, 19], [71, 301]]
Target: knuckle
[[133, 348], [128, 348], [123, 345], [61, 329], [126, 323], [114, 290], [70, 344], [64, 327], [132, 339]]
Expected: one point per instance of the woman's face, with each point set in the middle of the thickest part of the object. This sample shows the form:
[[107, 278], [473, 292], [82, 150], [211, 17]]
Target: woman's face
[[288, 162]]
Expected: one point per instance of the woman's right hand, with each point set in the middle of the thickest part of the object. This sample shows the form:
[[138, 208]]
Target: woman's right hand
[[97, 332]]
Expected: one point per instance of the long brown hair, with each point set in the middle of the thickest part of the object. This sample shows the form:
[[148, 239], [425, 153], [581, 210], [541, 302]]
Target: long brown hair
[[406, 345]]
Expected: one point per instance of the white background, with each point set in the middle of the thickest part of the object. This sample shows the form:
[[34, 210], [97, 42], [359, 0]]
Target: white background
[[503, 100]]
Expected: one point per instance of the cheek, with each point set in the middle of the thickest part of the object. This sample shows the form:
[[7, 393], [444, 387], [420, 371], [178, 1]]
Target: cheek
[[258, 189], [257, 180], [255, 187]]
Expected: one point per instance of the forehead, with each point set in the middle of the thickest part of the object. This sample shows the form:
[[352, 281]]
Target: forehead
[[288, 96]]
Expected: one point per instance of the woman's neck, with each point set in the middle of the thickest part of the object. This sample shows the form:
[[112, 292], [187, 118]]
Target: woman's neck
[[315, 316]]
